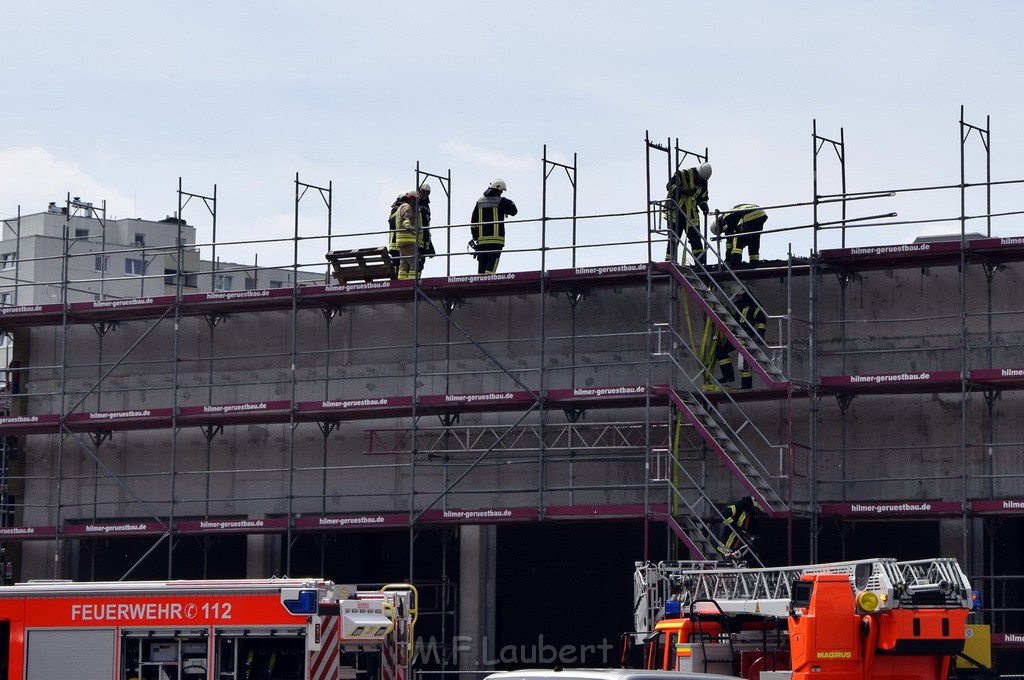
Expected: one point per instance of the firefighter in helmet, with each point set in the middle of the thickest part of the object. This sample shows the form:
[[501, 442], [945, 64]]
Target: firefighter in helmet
[[742, 225], [736, 537], [407, 229], [718, 348], [488, 226], [687, 196]]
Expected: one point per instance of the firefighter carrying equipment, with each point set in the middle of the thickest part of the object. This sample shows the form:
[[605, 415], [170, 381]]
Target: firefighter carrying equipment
[[687, 198]]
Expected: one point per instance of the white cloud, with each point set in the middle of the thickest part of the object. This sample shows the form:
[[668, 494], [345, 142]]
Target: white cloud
[[31, 177], [489, 159]]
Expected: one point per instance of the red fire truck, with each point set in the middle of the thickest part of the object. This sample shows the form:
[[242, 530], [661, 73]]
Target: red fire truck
[[280, 629], [859, 620]]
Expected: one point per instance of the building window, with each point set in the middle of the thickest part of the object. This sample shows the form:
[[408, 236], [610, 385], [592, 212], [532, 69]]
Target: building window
[[224, 282], [140, 240], [101, 263], [81, 233], [134, 267], [250, 283], [187, 280], [5, 298], [276, 284], [9, 261]]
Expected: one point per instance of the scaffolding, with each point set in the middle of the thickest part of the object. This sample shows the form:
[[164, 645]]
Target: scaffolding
[[556, 391]]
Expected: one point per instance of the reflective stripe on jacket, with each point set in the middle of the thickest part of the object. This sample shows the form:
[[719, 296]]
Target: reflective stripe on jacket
[[689, 191], [488, 229], [753, 213], [405, 230]]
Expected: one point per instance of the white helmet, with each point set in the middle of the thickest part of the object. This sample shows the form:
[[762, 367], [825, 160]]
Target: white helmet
[[424, 188], [735, 290], [704, 170], [498, 184], [717, 225]]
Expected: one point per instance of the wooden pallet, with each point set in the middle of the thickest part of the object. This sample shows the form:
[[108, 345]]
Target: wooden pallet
[[361, 264]]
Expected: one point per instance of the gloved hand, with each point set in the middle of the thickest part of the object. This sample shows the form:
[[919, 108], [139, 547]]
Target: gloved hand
[[471, 245]]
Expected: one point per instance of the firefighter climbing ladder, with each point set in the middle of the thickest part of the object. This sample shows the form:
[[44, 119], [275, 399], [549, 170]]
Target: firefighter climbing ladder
[[731, 441], [708, 294], [707, 289], [937, 583]]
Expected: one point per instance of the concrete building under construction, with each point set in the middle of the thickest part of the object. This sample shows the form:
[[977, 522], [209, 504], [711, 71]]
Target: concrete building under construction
[[513, 443]]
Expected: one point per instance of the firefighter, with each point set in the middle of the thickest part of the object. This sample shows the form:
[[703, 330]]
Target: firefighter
[[718, 353], [718, 347], [393, 253], [751, 316], [738, 526], [743, 225], [426, 248], [404, 222], [687, 193], [488, 230]]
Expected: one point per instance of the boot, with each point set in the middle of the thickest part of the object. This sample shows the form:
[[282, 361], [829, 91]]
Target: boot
[[746, 382], [728, 375]]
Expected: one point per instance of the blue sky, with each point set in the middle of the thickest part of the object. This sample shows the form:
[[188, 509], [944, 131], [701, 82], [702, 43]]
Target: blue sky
[[116, 100]]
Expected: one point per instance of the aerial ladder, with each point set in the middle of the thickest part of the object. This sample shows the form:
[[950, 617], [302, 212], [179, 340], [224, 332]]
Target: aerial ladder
[[835, 621]]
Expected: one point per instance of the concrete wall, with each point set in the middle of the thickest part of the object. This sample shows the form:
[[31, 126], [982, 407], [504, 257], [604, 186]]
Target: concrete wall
[[884, 447]]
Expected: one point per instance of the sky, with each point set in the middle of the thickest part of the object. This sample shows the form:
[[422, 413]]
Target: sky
[[117, 101]]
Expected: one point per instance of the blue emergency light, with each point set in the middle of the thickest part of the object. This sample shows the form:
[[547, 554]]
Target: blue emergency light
[[672, 608], [304, 602]]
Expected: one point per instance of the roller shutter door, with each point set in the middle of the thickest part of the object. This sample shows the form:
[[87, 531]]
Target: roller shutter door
[[70, 653]]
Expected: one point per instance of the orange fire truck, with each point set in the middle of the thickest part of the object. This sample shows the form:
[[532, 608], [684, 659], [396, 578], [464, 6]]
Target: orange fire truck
[[284, 629], [840, 621]]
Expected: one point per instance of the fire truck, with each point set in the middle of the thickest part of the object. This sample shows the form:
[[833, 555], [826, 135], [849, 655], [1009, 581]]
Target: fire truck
[[876, 618], [279, 629]]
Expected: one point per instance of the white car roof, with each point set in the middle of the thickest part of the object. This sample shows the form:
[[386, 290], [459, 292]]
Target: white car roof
[[601, 674]]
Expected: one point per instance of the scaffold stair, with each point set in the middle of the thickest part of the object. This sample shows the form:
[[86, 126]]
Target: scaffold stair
[[702, 288], [928, 583], [689, 502], [694, 534], [726, 443]]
